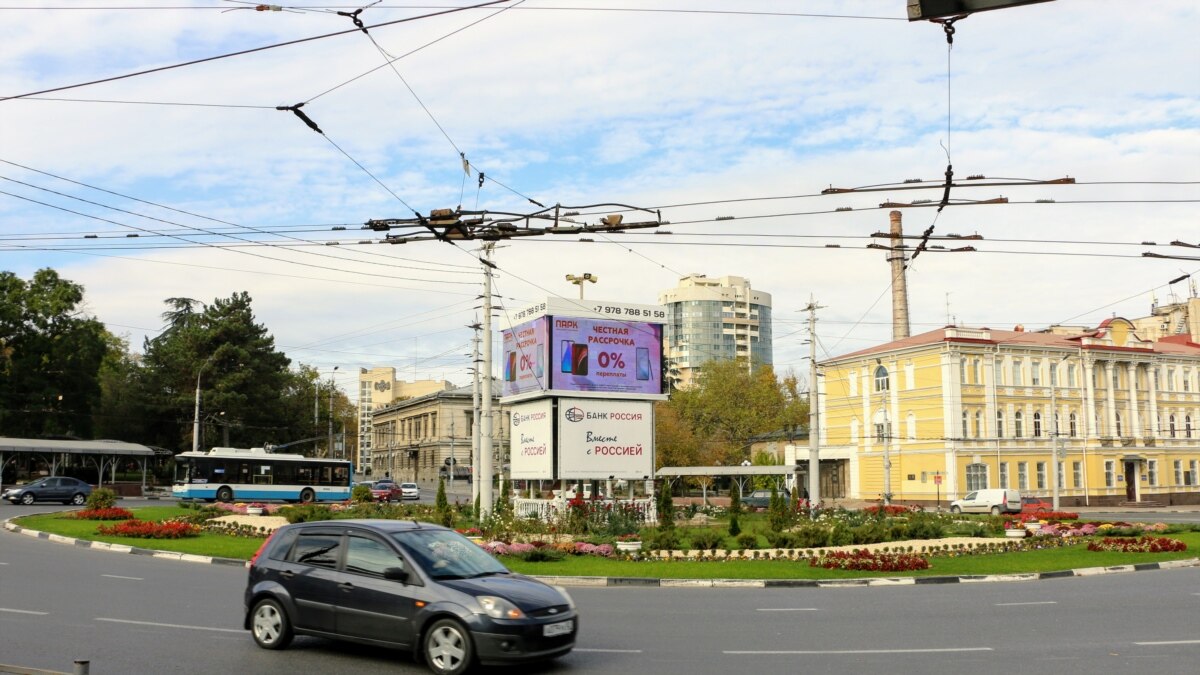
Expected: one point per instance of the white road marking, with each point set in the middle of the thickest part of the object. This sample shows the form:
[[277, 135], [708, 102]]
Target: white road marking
[[22, 611], [786, 609], [117, 576], [170, 625], [857, 651], [1019, 604], [610, 651], [4, 563], [1169, 642]]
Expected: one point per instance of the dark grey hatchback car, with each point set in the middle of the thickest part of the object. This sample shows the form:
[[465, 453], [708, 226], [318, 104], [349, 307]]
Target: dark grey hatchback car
[[413, 586]]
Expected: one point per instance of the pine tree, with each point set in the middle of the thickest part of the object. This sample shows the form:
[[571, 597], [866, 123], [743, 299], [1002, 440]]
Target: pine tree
[[442, 506]]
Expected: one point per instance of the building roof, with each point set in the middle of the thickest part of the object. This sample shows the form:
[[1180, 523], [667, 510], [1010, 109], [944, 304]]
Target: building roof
[[1099, 339], [75, 447]]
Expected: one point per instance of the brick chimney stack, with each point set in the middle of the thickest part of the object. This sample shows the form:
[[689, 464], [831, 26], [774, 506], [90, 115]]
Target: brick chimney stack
[[897, 259]]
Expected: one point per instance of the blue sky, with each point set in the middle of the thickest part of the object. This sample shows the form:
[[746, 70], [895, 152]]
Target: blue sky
[[745, 109]]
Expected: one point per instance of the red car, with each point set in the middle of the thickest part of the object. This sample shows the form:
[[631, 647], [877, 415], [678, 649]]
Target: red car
[[386, 491], [1035, 505]]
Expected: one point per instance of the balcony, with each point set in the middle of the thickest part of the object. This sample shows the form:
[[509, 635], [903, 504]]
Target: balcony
[[1106, 441]]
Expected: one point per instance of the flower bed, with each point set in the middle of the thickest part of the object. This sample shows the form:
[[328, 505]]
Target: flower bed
[[1144, 544], [871, 561], [114, 513], [144, 529]]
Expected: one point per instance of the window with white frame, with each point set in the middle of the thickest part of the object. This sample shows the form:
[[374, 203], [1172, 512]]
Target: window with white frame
[[976, 375], [1073, 421], [881, 379], [962, 370], [1053, 373], [1179, 472], [999, 424], [1035, 372], [1187, 426], [1170, 379], [1070, 374], [1037, 425], [965, 431], [1117, 417], [1077, 474], [1110, 475], [881, 431], [1041, 475], [976, 477], [1003, 474], [1152, 472], [1018, 424], [1116, 375], [1193, 473], [1171, 426], [979, 425], [1022, 475], [1016, 373], [998, 372], [1059, 474]]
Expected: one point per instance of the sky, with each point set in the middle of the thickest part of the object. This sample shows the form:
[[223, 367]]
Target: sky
[[724, 118]]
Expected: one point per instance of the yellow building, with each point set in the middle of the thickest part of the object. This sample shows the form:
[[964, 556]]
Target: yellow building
[[958, 409]]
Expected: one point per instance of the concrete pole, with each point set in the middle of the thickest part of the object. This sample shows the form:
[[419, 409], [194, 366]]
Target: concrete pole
[[475, 416], [485, 433], [814, 459], [1054, 435]]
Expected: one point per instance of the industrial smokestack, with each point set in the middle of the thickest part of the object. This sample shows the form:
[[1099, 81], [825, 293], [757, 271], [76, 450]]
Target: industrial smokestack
[[899, 285]]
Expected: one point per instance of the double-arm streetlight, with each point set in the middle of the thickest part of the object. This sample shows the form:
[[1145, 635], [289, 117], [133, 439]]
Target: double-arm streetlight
[[578, 280]]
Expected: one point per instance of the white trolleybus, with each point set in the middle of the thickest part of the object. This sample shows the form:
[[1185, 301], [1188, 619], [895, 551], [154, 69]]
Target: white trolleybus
[[253, 474]]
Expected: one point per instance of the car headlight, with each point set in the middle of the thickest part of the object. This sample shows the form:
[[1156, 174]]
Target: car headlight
[[499, 608], [566, 596]]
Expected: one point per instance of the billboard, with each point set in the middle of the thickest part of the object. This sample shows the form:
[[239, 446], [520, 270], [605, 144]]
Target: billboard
[[605, 356], [525, 354], [599, 438], [531, 440]]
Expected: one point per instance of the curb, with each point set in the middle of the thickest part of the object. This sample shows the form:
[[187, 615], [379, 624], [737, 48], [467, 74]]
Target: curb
[[649, 582]]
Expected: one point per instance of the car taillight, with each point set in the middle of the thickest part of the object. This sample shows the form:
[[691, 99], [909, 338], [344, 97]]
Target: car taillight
[[254, 558]]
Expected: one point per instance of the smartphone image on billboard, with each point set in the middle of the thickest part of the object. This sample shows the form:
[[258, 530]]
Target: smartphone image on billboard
[[579, 359], [643, 363], [510, 367], [566, 355]]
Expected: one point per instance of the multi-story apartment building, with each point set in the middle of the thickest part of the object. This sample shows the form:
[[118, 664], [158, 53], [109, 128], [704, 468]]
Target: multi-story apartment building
[[714, 319], [379, 387], [413, 438], [959, 409]]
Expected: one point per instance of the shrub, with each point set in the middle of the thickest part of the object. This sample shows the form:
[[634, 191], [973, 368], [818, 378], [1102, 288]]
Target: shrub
[[307, 512], [871, 561], [442, 507], [113, 513], [735, 505], [542, 554], [361, 494], [101, 498], [1139, 545], [747, 540], [666, 508], [810, 536], [663, 539], [707, 539], [735, 528]]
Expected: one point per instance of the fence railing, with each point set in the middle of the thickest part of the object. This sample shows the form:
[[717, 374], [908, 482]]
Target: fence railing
[[550, 509]]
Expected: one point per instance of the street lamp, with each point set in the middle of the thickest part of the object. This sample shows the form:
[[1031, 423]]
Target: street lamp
[[196, 415], [578, 280]]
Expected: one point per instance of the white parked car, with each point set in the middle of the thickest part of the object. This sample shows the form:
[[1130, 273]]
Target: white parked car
[[410, 491], [994, 501]]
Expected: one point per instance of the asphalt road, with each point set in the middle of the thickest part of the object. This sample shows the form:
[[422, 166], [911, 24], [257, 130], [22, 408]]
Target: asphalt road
[[136, 614]]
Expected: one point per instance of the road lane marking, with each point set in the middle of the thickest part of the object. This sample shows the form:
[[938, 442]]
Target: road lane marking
[[610, 651], [169, 625], [1019, 604], [117, 576], [22, 611], [773, 652], [1169, 642], [786, 609]]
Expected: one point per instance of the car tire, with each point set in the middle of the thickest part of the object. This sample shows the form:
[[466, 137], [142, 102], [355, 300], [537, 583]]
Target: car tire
[[269, 625], [27, 498], [307, 496], [447, 648], [995, 510], [955, 509], [224, 495], [79, 499]]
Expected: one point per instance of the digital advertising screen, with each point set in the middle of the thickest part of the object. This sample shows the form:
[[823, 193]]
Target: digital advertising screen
[[525, 357], [615, 357]]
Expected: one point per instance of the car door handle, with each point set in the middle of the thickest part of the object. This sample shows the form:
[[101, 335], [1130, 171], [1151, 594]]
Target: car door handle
[[346, 586], [287, 574]]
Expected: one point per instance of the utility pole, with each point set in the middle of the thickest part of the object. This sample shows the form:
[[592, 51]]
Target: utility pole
[[485, 433], [1055, 453], [887, 456], [814, 459], [329, 448], [475, 413], [452, 460], [196, 415]]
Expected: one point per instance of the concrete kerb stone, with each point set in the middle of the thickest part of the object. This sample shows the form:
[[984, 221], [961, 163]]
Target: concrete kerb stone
[[646, 582]]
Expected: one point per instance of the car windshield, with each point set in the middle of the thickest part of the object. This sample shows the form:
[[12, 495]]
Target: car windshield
[[408, 485], [448, 555]]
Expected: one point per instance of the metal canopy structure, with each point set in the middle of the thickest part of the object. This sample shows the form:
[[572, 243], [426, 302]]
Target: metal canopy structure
[[103, 454], [740, 473]]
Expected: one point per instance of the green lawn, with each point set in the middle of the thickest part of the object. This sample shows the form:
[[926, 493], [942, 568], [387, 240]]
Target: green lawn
[[1048, 560]]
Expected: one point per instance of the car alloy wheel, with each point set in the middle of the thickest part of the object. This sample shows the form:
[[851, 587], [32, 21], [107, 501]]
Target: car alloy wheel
[[270, 625], [27, 498], [448, 648]]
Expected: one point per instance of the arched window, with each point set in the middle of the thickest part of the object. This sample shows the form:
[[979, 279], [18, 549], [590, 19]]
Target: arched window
[[1018, 425], [976, 477], [1171, 426], [965, 431], [881, 379], [1037, 425], [1187, 426], [1074, 422], [999, 424]]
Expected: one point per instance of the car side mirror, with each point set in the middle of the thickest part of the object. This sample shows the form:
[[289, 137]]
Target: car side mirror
[[396, 574]]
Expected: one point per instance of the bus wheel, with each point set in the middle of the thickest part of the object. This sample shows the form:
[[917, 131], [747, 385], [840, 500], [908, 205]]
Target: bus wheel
[[225, 495], [307, 496]]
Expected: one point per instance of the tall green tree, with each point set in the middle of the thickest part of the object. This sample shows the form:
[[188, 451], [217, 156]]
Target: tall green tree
[[233, 359], [50, 356]]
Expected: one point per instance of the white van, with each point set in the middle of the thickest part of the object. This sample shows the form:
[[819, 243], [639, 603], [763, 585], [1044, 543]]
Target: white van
[[994, 501]]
